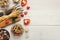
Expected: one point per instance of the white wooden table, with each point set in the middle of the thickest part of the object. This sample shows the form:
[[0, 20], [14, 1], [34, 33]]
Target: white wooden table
[[45, 21]]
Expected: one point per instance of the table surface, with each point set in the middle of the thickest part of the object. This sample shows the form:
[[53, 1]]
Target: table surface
[[45, 21]]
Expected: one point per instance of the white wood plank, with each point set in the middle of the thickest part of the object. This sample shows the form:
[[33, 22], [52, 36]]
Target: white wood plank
[[45, 12], [44, 33]]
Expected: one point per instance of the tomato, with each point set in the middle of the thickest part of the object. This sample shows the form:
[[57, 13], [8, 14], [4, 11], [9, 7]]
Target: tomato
[[28, 7], [22, 15], [23, 3], [26, 21], [25, 12], [8, 21]]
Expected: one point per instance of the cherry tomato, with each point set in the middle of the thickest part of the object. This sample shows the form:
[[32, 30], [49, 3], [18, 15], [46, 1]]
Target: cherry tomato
[[22, 15], [23, 3], [8, 22], [26, 21], [25, 12], [28, 7]]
